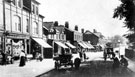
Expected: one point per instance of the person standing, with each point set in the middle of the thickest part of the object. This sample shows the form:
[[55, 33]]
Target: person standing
[[3, 58], [22, 58], [124, 63], [116, 63]]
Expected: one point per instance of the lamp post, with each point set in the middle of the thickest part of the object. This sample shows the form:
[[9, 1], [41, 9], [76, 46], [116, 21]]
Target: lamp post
[[119, 47], [4, 26]]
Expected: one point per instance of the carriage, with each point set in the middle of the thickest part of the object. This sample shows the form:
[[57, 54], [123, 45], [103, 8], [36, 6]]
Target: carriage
[[108, 53], [63, 60]]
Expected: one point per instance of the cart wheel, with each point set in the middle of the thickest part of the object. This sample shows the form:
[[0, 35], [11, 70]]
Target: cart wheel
[[77, 63], [57, 65], [72, 64]]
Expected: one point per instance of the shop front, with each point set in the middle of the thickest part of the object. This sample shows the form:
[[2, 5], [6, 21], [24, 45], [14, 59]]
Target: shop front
[[60, 48], [14, 44], [38, 45], [71, 47]]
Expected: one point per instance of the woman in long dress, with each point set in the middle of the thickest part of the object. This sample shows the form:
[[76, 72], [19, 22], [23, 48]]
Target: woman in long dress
[[22, 59]]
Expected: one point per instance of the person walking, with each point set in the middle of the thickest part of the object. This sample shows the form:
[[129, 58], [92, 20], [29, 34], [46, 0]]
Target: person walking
[[22, 58], [4, 58]]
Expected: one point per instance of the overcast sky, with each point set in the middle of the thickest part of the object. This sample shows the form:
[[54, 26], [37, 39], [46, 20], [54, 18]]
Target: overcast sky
[[87, 14]]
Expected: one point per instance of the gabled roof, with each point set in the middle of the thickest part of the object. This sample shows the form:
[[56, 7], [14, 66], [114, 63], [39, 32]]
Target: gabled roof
[[88, 32], [99, 34], [48, 25], [60, 28]]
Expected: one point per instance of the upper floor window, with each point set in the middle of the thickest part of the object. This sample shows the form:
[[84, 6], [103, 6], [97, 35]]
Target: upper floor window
[[17, 23], [19, 3], [37, 10], [35, 27], [27, 25], [14, 2], [33, 9]]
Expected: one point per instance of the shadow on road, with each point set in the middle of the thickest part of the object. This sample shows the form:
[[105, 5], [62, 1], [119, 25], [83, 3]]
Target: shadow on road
[[98, 68]]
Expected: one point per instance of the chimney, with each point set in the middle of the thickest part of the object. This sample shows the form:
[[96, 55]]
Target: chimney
[[82, 30], [76, 27]]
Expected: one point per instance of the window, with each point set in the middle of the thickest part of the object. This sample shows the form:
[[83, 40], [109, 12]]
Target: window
[[17, 23], [37, 10], [19, 3], [14, 2], [27, 25], [33, 8], [35, 27]]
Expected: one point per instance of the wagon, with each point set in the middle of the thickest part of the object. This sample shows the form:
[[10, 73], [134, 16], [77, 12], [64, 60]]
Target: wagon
[[108, 53], [63, 60]]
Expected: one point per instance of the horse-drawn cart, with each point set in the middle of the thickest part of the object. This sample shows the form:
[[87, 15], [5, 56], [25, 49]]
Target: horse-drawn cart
[[66, 60], [63, 60]]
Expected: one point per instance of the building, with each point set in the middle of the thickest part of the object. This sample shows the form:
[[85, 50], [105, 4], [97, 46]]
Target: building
[[56, 37], [21, 27]]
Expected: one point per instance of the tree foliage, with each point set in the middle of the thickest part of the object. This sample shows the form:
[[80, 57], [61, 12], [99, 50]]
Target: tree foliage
[[126, 11]]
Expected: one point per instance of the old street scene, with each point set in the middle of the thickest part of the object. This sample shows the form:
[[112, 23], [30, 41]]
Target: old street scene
[[67, 38]]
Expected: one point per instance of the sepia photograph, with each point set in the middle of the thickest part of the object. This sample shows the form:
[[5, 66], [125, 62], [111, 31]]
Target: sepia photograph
[[67, 38]]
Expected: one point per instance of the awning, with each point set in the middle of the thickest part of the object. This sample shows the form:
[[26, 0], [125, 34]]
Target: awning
[[42, 43], [86, 45], [61, 44], [82, 45], [70, 45], [89, 45]]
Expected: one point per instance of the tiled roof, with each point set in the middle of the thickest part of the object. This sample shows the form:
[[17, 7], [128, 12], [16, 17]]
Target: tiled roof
[[48, 25]]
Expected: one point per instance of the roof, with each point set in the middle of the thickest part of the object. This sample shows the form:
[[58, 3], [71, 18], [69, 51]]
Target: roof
[[88, 32], [35, 1], [60, 28], [48, 25]]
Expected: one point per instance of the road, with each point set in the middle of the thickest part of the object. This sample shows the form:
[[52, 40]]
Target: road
[[94, 67]]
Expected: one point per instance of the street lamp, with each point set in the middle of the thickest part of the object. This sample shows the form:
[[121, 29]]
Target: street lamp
[[119, 47], [4, 26]]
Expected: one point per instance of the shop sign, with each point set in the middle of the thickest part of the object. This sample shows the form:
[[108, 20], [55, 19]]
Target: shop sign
[[17, 47]]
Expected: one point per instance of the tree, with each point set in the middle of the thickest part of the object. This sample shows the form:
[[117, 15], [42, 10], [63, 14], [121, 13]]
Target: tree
[[56, 23], [126, 11], [116, 40], [66, 24]]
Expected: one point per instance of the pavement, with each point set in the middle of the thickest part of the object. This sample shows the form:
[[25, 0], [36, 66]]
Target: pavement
[[31, 69], [34, 68]]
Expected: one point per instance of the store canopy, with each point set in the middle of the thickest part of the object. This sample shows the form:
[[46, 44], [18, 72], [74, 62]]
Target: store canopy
[[91, 47], [42, 43], [70, 45], [61, 44], [82, 45], [86, 45]]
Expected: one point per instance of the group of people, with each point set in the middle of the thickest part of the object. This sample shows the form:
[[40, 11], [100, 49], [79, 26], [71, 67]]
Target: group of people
[[83, 56], [120, 65]]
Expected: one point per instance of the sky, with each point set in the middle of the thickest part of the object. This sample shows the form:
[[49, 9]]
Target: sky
[[87, 14]]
